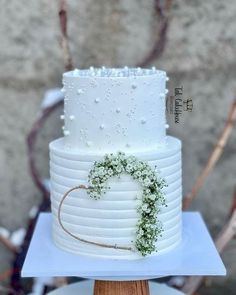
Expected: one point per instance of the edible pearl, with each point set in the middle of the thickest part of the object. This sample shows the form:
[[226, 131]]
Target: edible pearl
[[62, 117], [80, 91], [134, 86], [97, 100], [162, 95], [72, 117], [76, 72], [102, 126], [118, 110], [63, 90], [167, 126], [143, 121], [166, 91], [66, 132], [167, 78], [88, 143]]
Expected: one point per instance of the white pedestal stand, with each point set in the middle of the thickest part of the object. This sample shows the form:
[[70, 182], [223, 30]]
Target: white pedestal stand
[[196, 255]]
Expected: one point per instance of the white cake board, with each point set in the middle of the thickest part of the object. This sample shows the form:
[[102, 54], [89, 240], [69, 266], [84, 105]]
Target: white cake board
[[196, 255]]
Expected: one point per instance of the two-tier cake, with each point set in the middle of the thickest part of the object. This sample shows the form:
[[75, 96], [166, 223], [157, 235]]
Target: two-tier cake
[[116, 175]]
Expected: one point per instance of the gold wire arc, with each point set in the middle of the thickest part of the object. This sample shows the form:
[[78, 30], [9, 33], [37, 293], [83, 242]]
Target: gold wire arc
[[77, 237]]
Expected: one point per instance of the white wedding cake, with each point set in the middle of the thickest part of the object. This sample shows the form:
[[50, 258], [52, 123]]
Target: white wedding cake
[[116, 187]]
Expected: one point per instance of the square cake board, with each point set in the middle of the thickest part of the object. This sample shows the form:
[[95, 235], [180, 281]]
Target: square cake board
[[196, 255]]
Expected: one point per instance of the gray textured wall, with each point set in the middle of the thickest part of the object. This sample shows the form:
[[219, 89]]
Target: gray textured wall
[[200, 56]]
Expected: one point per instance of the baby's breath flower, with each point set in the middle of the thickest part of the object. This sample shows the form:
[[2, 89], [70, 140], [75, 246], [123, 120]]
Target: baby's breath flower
[[148, 227]]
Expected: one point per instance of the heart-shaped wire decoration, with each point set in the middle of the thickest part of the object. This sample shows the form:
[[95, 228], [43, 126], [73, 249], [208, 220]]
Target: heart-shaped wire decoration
[[115, 246]]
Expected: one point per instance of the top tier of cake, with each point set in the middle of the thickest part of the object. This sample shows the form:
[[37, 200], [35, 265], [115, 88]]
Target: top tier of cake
[[106, 110]]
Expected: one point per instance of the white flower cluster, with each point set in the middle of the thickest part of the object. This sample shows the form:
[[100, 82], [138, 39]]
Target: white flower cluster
[[148, 229]]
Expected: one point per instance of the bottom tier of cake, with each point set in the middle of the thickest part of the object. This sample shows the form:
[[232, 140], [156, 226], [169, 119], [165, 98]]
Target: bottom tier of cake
[[113, 218]]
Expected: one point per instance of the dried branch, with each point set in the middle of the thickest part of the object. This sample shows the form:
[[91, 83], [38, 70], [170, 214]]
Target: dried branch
[[223, 239], [162, 11], [64, 37], [233, 206], [214, 157], [226, 234], [4, 276], [6, 290], [8, 244], [31, 141]]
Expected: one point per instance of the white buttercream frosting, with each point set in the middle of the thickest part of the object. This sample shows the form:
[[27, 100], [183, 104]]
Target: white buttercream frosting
[[113, 218], [105, 111], [126, 101]]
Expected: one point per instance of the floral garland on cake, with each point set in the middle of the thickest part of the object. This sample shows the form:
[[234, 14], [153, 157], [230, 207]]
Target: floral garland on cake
[[148, 228]]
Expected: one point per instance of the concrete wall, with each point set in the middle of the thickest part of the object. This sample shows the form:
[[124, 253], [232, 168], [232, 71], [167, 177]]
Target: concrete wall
[[200, 56]]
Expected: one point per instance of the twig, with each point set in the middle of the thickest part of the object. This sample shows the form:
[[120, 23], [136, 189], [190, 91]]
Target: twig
[[159, 45], [226, 235], [8, 244], [4, 276], [162, 10], [214, 157], [31, 141], [7, 290], [233, 206], [64, 37]]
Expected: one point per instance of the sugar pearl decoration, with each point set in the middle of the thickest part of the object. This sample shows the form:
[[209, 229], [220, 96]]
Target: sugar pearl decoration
[[71, 86], [143, 121], [139, 70], [76, 72], [63, 90], [118, 110], [167, 126], [89, 143], [97, 100], [72, 117], [102, 126], [66, 132], [162, 95], [80, 91], [166, 91], [106, 72], [62, 117], [63, 127], [134, 86], [167, 78]]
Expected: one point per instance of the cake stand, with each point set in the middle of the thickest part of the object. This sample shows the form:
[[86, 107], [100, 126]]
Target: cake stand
[[196, 255]]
